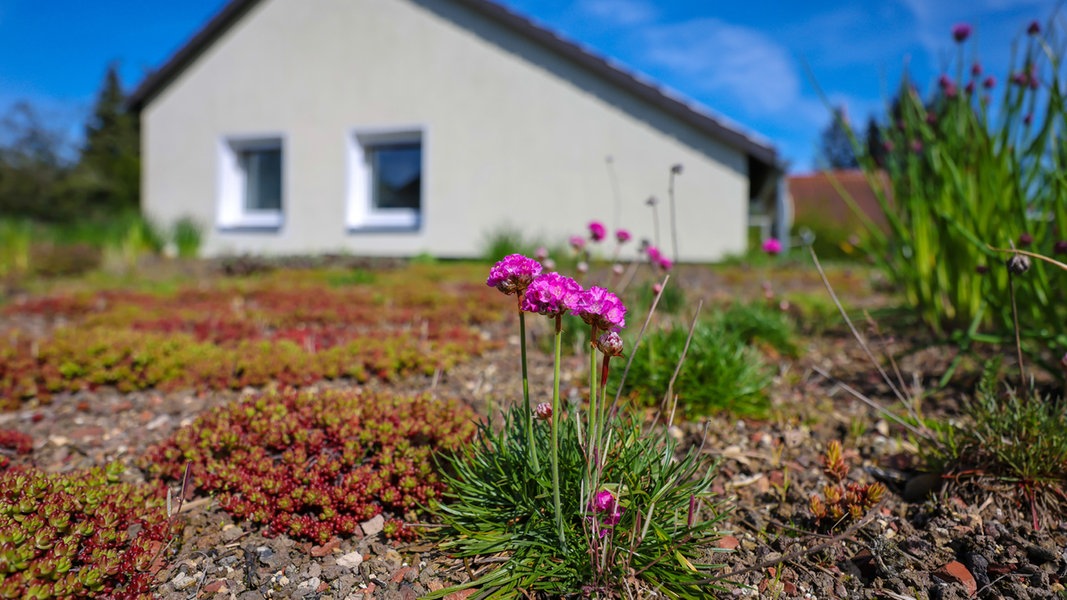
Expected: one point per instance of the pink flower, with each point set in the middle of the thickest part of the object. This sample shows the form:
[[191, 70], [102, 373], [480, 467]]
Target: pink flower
[[603, 501], [1060, 247], [653, 253], [597, 232], [513, 274], [599, 307], [772, 246], [960, 32], [543, 411], [976, 68], [542, 253], [664, 263], [989, 82], [577, 242], [551, 294], [622, 236]]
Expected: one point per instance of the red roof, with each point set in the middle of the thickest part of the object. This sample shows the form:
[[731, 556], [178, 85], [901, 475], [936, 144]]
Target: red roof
[[817, 199]]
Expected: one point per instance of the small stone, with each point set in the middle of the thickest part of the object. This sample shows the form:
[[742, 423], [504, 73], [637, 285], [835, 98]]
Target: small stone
[[350, 560], [308, 587], [1040, 555], [183, 581], [955, 572], [373, 526], [231, 532], [219, 585], [315, 570], [728, 542]]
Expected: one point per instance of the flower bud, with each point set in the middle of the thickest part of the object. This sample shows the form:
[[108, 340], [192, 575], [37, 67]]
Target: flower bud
[[543, 411], [1019, 264], [610, 344]]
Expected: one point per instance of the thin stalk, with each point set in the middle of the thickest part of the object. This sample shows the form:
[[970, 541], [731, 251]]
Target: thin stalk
[[528, 421], [592, 389], [674, 226], [1018, 342], [555, 430]]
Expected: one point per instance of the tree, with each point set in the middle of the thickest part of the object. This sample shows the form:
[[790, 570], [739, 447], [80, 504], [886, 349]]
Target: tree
[[835, 149], [875, 141], [32, 167], [108, 174]]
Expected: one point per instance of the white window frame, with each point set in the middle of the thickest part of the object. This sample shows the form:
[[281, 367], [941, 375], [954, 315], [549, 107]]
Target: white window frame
[[360, 214], [232, 183]]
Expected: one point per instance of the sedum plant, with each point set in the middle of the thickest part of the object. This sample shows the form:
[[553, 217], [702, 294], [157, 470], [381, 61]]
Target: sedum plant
[[578, 499], [79, 535], [313, 464]]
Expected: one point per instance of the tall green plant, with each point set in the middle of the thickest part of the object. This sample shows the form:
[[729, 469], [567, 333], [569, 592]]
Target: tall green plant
[[964, 173]]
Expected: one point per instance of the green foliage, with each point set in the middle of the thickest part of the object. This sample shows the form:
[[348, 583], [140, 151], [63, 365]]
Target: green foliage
[[506, 240], [966, 176], [722, 371], [497, 502], [33, 168], [313, 464], [757, 323], [832, 241], [15, 237], [79, 535], [187, 235], [1007, 434], [835, 148]]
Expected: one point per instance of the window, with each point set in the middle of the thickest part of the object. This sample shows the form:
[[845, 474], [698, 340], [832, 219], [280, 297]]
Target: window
[[251, 183], [385, 180]]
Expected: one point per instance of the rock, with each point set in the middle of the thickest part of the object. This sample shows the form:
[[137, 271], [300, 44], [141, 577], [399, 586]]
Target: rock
[[728, 542], [183, 581], [308, 587], [373, 526], [351, 560], [231, 532], [955, 572], [1040, 555], [315, 570], [978, 565]]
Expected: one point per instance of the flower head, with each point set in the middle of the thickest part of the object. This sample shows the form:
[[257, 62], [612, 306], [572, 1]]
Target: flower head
[[577, 242], [542, 253], [1034, 28], [976, 68], [772, 246], [989, 82], [1025, 239], [676, 168], [597, 231], [1060, 247], [603, 501], [652, 201], [960, 32], [664, 263], [551, 294], [513, 274], [622, 236], [543, 411], [601, 308]]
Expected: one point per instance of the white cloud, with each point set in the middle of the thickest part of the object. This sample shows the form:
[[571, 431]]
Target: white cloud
[[620, 13], [712, 56]]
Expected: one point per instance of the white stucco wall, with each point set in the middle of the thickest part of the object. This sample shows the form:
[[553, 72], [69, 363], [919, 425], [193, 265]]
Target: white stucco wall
[[513, 135]]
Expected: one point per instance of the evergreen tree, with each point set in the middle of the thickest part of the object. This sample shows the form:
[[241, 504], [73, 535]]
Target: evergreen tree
[[835, 150], [875, 142], [108, 175]]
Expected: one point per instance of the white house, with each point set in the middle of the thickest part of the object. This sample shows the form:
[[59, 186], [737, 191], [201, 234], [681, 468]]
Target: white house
[[400, 127]]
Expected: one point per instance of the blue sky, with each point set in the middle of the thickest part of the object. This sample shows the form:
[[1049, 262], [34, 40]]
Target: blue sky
[[746, 62]]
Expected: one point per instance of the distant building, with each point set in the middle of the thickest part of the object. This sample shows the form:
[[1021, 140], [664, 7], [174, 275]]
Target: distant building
[[817, 201], [398, 127]]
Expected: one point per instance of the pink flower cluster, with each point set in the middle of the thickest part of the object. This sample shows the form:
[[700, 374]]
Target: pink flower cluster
[[658, 258], [602, 309], [606, 505], [551, 294], [772, 246], [513, 274], [597, 231]]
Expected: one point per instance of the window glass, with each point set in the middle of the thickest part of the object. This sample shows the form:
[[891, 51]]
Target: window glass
[[263, 179], [397, 172]]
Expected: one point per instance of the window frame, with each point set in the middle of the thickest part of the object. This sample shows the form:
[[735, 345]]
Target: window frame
[[360, 212], [233, 184]]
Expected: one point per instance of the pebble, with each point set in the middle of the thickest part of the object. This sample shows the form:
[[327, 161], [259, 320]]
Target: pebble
[[183, 581], [373, 526], [307, 587], [350, 560]]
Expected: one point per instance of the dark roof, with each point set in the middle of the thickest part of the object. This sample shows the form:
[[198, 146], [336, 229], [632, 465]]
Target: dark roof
[[155, 82]]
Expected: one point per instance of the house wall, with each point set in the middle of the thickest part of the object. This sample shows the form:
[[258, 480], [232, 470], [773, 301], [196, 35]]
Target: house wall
[[513, 134]]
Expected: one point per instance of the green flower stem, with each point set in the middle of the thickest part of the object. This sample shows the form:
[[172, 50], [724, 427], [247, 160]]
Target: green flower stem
[[592, 392], [555, 430], [528, 422]]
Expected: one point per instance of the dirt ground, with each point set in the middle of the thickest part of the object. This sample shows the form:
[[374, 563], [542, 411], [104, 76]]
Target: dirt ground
[[962, 538]]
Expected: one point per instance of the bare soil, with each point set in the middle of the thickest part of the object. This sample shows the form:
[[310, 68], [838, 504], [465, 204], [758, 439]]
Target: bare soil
[[964, 538]]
